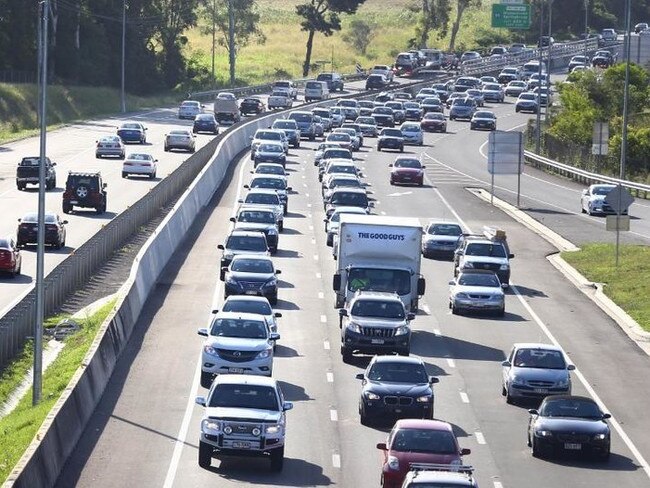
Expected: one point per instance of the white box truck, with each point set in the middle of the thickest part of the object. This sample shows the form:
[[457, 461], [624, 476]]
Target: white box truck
[[379, 253]]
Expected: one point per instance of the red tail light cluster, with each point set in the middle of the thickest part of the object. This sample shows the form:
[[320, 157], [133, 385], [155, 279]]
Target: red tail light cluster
[[4, 254]]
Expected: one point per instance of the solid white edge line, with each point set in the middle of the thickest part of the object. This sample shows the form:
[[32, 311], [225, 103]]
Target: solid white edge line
[[451, 363], [619, 430], [189, 408], [426, 309]]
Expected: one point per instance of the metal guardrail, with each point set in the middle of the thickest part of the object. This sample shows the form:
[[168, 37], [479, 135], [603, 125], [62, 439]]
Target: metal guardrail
[[583, 175]]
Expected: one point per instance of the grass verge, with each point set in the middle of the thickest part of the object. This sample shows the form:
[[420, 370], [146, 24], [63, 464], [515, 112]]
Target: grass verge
[[19, 102], [19, 427], [626, 285]]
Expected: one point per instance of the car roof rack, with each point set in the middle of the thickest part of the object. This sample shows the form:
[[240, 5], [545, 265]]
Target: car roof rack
[[81, 173], [452, 468]]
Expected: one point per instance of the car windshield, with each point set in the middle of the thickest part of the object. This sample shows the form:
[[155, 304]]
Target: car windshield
[[407, 163], [410, 128], [574, 407], [74, 180], [246, 243], [431, 101], [336, 216], [383, 111], [337, 153], [244, 396], [262, 198], [272, 148], [485, 249], [474, 92], [140, 157], [539, 358], [348, 103], [130, 126], [256, 216], [528, 96], [276, 183], [321, 112], [247, 306], [366, 120], [342, 168], [114, 139], [476, 279], [252, 266], [206, 117], [247, 329], [324, 77], [179, 133], [396, 372], [284, 124], [445, 230], [339, 136], [492, 87], [270, 169], [345, 182], [463, 102], [378, 309], [434, 116], [349, 199], [391, 133], [190, 104], [271, 136], [298, 117], [484, 115], [424, 440], [517, 84], [390, 280], [601, 190]]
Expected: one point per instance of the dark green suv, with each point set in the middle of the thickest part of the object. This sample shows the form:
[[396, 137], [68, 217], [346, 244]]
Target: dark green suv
[[84, 190]]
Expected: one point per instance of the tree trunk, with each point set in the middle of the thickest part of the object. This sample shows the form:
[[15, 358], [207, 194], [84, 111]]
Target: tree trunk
[[54, 17], [456, 26], [426, 24], [310, 43]]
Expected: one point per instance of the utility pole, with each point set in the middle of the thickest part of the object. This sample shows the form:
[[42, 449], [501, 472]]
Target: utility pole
[[548, 61], [626, 96], [37, 389], [231, 41], [586, 27], [122, 90], [214, 35], [538, 126]]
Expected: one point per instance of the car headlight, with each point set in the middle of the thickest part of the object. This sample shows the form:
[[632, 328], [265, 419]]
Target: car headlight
[[563, 383], [264, 354], [401, 330], [468, 264], [504, 266], [272, 283], [354, 327], [461, 296], [372, 396], [272, 231], [231, 281], [543, 433], [393, 463], [516, 380], [209, 426], [496, 298], [210, 350], [227, 255], [424, 399], [273, 429], [600, 437]]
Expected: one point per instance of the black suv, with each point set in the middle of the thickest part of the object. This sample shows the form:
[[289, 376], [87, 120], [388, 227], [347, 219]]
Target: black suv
[[334, 81], [84, 190], [28, 170]]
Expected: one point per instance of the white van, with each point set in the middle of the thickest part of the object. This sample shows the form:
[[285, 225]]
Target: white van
[[530, 68], [316, 90]]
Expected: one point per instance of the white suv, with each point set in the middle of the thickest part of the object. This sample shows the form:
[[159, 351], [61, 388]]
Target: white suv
[[237, 343], [244, 416]]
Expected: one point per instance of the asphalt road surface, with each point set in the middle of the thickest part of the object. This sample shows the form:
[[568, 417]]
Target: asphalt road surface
[[145, 430]]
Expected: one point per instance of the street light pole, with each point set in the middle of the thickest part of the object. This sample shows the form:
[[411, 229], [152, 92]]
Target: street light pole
[[586, 26], [538, 126], [231, 41], [122, 91], [548, 60], [214, 35], [37, 389]]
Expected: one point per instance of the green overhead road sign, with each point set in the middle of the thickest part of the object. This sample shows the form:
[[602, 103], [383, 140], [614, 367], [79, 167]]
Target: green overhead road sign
[[511, 16]]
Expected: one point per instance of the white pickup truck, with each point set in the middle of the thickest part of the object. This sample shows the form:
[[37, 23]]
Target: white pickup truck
[[383, 69], [280, 98], [287, 85]]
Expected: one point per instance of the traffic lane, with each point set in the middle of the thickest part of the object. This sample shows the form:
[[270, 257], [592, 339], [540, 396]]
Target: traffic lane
[[84, 223], [548, 297], [301, 365]]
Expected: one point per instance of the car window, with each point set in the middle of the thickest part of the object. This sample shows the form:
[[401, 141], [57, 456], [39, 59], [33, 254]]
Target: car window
[[475, 279], [273, 148], [349, 199], [398, 372], [247, 306], [256, 216], [424, 440], [252, 266], [390, 280], [277, 184], [391, 132], [407, 163], [246, 243], [244, 396], [445, 230], [578, 408], [262, 198], [377, 308], [246, 329], [601, 190], [539, 358]]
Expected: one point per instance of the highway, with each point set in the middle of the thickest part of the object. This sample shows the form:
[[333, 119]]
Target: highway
[[145, 430]]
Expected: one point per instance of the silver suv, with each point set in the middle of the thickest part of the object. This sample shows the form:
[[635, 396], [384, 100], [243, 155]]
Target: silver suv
[[375, 323], [237, 343], [480, 252], [244, 416]]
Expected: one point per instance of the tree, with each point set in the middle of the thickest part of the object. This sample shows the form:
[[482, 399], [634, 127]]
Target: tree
[[434, 15], [359, 35], [322, 16], [461, 6], [246, 18]]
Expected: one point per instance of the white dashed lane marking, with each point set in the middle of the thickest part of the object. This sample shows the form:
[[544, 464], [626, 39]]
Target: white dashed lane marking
[[334, 416], [479, 437], [326, 345], [330, 377], [464, 398], [336, 460]]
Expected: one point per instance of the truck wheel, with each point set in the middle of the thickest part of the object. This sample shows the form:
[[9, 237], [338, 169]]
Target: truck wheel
[[206, 379], [67, 208], [205, 455], [281, 226], [346, 354], [273, 299], [277, 459]]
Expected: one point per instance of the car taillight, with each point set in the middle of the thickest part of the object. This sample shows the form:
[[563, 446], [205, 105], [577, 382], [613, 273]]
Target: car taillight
[[50, 227], [4, 254], [24, 226]]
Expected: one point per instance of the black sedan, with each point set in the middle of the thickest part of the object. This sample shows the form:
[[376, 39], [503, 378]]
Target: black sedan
[[376, 82], [395, 386], [28, 230], [205, 123], [133, 132], [569, 424], [251, 275], [251, 105]]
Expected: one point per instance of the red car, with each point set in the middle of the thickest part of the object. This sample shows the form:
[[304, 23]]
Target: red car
[[10, 258], [434, 122], [417, 441], [407, 170]]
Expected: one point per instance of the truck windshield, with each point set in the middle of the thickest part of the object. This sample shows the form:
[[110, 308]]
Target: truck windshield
[[244, 396], [391, 280]]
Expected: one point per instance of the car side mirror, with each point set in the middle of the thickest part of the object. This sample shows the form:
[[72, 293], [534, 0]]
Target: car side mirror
[[146, 128], [607, 416], [19, 220], [250, 137], [371, 204], [422, 285], [274, 336], [53, 164], [278, 271], [382, 446], [452, 282], [203, 332], [504, 286], [155, 160], [222, 275], [585, 192], [277, 315], [507, 364], [247, 187], [64, 222], [390, 165], [200, 401], [433, 380], [289, 188], [533, 411], [287, 406], [343, 312], [104, 185], [232, 219], [359, 376], [216, 310], [220, 246], [241, 200], [510, 256], [410, 316], [465, 451], [571, 367]]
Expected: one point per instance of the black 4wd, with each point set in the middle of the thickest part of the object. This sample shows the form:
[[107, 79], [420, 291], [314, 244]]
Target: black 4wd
[[84, 190], [27, 173]]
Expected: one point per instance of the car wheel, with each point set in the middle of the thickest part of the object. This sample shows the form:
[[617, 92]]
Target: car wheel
[[455, 310], [67, 208], [603, 457], [166, 149], [346, 354], [20, 187], [273, 299], [364, 419], [152, 175], [403, 352], [286, 209], [504, 392], [205, 455], [125, 175], [206, 379], [534, 449], [509, 399], [277, 459], [501, 312], [401, 149], [582, 209], [281, 226]]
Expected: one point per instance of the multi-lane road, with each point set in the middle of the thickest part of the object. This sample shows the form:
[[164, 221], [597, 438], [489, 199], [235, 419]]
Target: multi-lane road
[[145, 430]]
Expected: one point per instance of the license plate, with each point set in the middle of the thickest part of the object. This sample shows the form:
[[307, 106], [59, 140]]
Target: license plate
[[74, 202], [541, 390], [377, 341], [251, 292], [398, 410], [236, 370], [241, 445], [572, 446]]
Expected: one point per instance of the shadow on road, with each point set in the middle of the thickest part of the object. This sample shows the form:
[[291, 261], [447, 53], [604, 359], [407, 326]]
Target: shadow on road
[[296, 472]]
